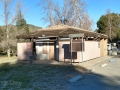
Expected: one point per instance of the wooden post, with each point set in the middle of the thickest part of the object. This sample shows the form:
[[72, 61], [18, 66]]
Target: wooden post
[[57, 48], [86, 38], [79, 35], [32, 40], [71, 49], [82, 50], [18, 40]]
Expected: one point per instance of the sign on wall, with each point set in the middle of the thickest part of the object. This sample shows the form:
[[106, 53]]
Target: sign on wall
[[29, 46], [76, 35], [77, 45]]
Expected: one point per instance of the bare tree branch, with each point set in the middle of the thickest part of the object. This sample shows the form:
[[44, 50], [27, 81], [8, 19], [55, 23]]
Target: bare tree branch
[[72, 12], [10, 17]]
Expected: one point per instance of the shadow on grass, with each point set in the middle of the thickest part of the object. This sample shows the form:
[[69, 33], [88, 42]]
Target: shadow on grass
[[25, 76], [3, 53], [51, 77]]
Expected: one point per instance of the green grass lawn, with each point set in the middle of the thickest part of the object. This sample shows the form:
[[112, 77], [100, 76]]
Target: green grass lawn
[[19, 76]]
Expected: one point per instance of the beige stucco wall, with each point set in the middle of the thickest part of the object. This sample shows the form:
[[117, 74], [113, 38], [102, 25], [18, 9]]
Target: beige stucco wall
[[91, 51], [103, 47], [24, 50]]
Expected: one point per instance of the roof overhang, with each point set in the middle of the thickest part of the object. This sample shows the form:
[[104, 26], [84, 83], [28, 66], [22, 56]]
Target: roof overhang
[[59, 32]]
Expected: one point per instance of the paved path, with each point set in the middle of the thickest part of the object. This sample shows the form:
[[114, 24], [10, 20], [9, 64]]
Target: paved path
[[84, 64], [90, 63], [103, 78]]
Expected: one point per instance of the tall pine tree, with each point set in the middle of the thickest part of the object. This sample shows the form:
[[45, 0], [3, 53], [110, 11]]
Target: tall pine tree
[[21, 24]]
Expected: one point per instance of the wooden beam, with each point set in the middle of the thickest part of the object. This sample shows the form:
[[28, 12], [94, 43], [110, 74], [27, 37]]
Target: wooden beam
[[86, 38], [18, 40]]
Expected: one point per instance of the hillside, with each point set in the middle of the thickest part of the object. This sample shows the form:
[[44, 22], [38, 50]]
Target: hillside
[[33, 27]]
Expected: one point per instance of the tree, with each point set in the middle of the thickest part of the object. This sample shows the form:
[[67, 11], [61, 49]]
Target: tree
[[109, 24], [9, 16], [72, 12], [1, 33], [21, 24]]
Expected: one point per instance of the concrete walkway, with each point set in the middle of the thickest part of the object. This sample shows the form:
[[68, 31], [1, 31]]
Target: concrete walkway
[[102, 78], [86, 64], [90, 63]]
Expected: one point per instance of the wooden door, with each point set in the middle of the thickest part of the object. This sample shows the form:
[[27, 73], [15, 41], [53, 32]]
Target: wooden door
[[51, 51]]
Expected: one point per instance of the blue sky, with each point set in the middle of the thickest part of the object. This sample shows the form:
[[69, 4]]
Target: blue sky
[[95, 8]]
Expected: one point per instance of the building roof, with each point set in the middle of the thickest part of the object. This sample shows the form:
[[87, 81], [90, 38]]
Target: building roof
[[58, 31]]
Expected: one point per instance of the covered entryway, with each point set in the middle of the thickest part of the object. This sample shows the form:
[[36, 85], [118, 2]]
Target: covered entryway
[[45, 49], [42, 50]]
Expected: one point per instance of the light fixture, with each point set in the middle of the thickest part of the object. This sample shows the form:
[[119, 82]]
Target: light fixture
[[43, 35]]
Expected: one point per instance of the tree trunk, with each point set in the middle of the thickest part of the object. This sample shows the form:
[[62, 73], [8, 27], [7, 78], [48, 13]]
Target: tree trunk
[[8, 53]]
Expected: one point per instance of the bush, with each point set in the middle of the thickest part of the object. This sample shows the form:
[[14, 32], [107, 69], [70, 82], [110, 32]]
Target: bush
[[13, 50]]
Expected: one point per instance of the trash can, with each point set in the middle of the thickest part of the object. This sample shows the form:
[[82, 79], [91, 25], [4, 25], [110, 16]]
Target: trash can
[[114, 50]]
